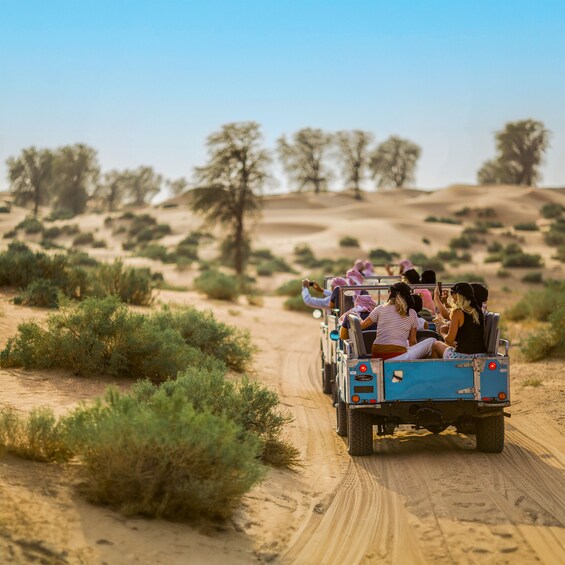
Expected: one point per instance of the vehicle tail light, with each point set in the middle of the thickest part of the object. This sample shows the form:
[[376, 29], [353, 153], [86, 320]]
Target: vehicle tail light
[[492, 365], [501, 396], [486, 398], [355, 398], [363, 368]]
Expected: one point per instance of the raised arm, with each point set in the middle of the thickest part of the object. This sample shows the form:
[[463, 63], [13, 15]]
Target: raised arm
[[439, 304]]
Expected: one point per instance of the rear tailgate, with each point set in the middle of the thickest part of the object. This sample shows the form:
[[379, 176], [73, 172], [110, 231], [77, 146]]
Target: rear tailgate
[[423, 379]]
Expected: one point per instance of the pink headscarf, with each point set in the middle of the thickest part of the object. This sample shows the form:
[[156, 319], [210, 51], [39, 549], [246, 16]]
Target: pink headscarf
[[354, 277], [359, 265], [405, 264], [362, 303], [368, 270], [338, 281]]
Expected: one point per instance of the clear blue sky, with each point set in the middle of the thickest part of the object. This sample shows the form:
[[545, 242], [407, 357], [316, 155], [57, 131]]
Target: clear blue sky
[[146, 82]]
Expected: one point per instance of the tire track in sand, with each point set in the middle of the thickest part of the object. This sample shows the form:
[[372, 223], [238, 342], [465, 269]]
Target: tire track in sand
[[423, 498]]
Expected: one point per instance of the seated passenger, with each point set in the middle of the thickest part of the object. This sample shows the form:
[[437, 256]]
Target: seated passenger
[[404, 265], [315, 302], [397, 323], [369, 269], [465, 337], [411, 276], [362, 306], [337, 282], [422, 322]]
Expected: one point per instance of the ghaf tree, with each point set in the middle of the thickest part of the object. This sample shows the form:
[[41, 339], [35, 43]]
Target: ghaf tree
[[229, 185]]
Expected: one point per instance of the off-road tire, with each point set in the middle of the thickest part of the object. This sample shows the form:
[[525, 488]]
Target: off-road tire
[[359, 433], [341, 418], [490, 434], [327, 378]]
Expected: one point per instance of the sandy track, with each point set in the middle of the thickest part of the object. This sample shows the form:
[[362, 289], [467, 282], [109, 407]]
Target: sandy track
[[423, 498]]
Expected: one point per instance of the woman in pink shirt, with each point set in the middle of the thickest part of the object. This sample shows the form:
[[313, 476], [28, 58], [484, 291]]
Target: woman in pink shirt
[[397, 323]]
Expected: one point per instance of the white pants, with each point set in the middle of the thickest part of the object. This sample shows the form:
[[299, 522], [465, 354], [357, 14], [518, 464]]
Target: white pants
[[417, 351]]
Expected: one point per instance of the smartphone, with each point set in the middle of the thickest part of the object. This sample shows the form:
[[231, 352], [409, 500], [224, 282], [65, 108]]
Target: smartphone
[[311, 283], [440, 290]]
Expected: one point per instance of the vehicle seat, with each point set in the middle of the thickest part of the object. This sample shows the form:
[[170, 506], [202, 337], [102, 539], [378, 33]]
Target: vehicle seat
[[356, 336], [492, 332], [421, 335], [369, 338]]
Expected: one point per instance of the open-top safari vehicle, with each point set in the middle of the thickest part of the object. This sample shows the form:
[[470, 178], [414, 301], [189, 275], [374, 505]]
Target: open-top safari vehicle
[[433, 394]]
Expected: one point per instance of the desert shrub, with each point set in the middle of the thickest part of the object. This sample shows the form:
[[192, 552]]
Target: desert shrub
[[296, 304], [187, 250], [10, 234], [200, 329], [258, 255], [476, 228], [292, 287], [512, 249], [526, 226], [447, 255], [494, 258], [155, 252], [533, 278], [38, 435], [51, 233], [556, 234], [42, 293], [60, 214], [128, 245], [522, 260], [130, 284], [81, 259], [227, 251], [463, 211], [86, 238], [560, 254], [70, 229], [248, 404], [538, 345], [108, 221], [305, 256], [30, 225], [443, 220], [503, 274], [486, 213], [99, 244], [433, 263], [426, 241], [462, 242], [495, 247], [162, 458], [170, 205], [264, 270], [50, 244], [139, 223], [348, 241], [127, 216], [551, 211], [493, 224], [381, 256], [469, 277], [217, 285], [539, 304], [102, 336], [5, 209]]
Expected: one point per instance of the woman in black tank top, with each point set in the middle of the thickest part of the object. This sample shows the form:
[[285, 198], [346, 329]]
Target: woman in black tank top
[[466, 331]]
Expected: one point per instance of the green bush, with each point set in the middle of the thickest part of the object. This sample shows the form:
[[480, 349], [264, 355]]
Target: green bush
[[494, 258], [296, 304], [42, 293], [381, 256], [463, 211], [259, 255], [348, 241], [51, 233], [49, 244], [495, 247], [163, 458], [522, 260], [292, 287], [264, 270], [443, 220], [37, 435], [70, 229], [551, 211], [556, 234], [200, 329], [131, 285], [560, 254], [512, 249], [503, 274], [426, 241], [486, 213], [155, 252], [60, 214], [83, 239], [102, 336], [462, 242], [5, 209], [533, 278], [526, 226], [448, 255], [99, 244], [217, 285], [10, 234], [81, 259], [30, 225]]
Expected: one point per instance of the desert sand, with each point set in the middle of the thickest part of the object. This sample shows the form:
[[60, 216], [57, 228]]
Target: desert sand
[[419, 499]]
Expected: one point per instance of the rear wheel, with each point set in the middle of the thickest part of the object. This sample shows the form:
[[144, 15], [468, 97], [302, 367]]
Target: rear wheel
[[327, 378], [341, 417], [359, 432], [490, 434]]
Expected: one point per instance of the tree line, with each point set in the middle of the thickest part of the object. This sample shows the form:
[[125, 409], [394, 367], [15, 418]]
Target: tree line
[[227, 189]]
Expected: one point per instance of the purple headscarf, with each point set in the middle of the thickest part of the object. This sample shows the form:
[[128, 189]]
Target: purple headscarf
[[354, 277], [338, 281], [405, 264], [362, 303], [369, 270]]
